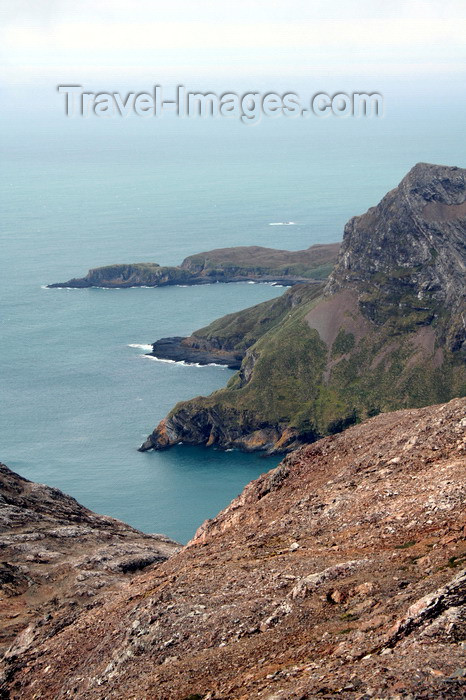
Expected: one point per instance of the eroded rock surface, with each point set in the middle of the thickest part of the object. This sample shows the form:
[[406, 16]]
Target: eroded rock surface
[[338, 574], [57, 557]]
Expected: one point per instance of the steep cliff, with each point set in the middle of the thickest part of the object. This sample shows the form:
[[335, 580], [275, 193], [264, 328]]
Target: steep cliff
[[244, 263], [338, 574], [132, 275], [388, 331]]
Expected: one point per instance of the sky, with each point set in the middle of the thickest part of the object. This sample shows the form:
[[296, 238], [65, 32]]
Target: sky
[[68, 40]]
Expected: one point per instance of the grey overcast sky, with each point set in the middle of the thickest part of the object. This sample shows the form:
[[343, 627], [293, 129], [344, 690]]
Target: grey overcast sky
[[232, 37]]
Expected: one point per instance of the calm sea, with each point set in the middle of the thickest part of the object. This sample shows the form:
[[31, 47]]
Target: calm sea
[[77, 394]]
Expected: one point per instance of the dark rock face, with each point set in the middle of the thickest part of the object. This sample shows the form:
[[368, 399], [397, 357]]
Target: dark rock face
[[218, 425], [338, 574], [195, 351], [414, 239], [387, 332], [57, 556], [227, 340], [134, 275]]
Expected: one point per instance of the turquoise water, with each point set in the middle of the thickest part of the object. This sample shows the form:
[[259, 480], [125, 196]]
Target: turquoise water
[[77, 399]]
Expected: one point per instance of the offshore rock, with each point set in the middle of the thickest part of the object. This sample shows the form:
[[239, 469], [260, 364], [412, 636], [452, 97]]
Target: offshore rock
[[241, 264]]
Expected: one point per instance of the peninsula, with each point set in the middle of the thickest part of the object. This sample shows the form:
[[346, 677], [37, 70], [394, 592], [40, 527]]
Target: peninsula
[[241, 264], [387, 330]]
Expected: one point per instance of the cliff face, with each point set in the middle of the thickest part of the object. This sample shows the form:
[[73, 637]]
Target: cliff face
[[57, 557], [244, 263], [133, 275], [254, 262], [413, 240], [339, 573], [388, 331]]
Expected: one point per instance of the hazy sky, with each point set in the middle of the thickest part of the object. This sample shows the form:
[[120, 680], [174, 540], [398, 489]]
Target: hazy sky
[[61, 38]]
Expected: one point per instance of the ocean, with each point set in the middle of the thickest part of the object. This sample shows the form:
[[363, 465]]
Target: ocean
[[78, 395]]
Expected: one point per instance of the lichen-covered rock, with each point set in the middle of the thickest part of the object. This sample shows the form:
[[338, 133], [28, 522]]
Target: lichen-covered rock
[[412, 241]]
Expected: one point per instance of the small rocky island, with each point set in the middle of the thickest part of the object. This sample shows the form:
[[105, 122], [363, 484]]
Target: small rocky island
[[241, 264], [387, 330], [341, 572]]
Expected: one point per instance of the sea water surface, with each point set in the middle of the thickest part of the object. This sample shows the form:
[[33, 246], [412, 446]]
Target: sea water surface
[[77, 394]]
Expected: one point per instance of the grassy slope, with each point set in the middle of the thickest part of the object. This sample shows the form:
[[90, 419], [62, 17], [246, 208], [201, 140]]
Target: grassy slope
[[316, 262], [282, 378], [242, 329]]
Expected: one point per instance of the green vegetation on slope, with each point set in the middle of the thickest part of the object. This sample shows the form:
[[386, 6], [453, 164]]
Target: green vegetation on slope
[[241, 329], [315, 262], [286, 363], [221, 265], [291, 379]]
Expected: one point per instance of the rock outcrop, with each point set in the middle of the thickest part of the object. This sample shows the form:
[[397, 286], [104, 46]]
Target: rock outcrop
[[413, 241], [132, 275], [196, 350], [387, 331], [338, 574], [241, 264], [57, 557]]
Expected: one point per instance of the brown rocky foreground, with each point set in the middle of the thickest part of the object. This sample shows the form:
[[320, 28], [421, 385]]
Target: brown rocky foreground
[[57, 557], [338, 574]]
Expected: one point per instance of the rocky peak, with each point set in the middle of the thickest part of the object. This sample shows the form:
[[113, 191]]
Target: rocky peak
[[412, 242]]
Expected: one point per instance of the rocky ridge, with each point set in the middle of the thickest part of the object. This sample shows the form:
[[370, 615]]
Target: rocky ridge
[[387, 331], [57, 557], [196, 350], [338, 574]]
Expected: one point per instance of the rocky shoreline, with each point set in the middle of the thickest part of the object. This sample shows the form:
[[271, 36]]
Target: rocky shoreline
[[340, 573], [178, 349]]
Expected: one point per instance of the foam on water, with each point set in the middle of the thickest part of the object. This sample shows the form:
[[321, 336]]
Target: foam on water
[[283, 223], [141, 346], [183, 363], [149, 193]]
